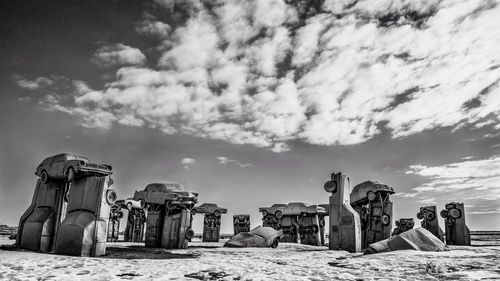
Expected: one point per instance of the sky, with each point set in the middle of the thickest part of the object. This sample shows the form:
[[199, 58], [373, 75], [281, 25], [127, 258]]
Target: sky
[[251, 103]]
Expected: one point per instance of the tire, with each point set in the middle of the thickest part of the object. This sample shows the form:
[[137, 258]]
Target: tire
[[444, 214], [430, 216], [70, 174], [396, 223], [371, 196], [169, 205], [129, 206], [193, 212], [455, 213], [386, 219], [322, 222], [142, 203], [217, 213], [275, 243], [330, 186], [189, 234], [410, 225], [420, 216], [111, 196], [44, 177], [278, 214]]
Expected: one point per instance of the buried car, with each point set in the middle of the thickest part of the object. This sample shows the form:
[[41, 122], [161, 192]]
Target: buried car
[[67, 166], [259, 237]]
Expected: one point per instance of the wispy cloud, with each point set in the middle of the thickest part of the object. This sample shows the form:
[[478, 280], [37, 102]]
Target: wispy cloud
[[188, 162], [117, 55], [35, 84], [470, 180], [226, 161], [265, 72]]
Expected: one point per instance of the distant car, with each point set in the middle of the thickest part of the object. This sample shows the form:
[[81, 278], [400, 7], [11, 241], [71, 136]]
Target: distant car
[[258, 237], [67, 166], [275, 209], [130, 203], [299, 208], [209, 208], [168, 193]]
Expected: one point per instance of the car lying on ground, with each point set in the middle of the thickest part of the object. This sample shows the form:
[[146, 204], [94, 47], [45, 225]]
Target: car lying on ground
[[168, 193], [67, 166], [260, 237]]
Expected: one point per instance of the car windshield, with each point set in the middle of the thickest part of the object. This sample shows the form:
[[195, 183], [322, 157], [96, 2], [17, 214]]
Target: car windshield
[[163, 187]]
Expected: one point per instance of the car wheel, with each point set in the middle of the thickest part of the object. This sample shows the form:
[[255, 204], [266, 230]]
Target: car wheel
[[129, 206], [70, 174], [278, 214], [189, 234], [420, 216], [142, 203], [193, 212], [217, 213], [44, 177], [444, 213], [386, 220], [330, 186], [275, 243], [111, 196], [455, 213], [170, 205], [410, 224], [430, 216]]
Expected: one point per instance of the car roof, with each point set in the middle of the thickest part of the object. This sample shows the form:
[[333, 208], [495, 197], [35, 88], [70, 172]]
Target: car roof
[[67, 156], [163, 187]]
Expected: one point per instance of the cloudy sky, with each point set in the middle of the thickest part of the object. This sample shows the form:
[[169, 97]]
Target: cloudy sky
[[256, 102]]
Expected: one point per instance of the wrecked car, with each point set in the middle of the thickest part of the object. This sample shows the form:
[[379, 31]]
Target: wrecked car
[[258, 237], [66, 166], [169, 193]]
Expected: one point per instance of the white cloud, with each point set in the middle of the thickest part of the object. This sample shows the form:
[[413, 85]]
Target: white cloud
[[26, 84], [117, 55], [468, 180], [188, 162], [226, 161], [246, 76]]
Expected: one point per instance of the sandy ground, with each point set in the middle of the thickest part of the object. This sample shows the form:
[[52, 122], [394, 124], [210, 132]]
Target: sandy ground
[[209, 261]]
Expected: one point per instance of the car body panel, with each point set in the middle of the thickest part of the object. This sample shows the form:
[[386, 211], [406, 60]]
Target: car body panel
[[257, 237], [360, 191], [57, 166]]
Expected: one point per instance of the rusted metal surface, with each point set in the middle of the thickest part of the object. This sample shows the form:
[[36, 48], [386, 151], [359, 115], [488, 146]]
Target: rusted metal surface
[[241, 223], [169, 218], [457, 232], [429, 220], [402, 225], [371, 200], [212, 220], [84, 229], [344, 224]]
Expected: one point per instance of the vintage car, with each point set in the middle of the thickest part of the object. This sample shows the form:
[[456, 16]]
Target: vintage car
[[170, 194], [67, 166], [275, 209], [367, 191], [257, 237], [209, 208], [299, 208], [130, 203]]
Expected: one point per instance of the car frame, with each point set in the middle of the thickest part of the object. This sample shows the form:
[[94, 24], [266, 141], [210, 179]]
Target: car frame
[[68, 166]]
